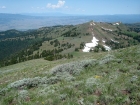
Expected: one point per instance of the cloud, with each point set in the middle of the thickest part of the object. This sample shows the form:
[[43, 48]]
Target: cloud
[[58, 5], [80, 10], [3, 7], [38, 8]]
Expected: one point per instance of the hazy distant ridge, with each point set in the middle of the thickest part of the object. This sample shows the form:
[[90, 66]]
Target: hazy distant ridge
[[24, 22]]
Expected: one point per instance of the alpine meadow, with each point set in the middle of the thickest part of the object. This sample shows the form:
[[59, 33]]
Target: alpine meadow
[[66, 52]]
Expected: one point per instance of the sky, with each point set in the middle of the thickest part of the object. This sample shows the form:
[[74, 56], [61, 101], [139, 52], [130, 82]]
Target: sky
[[83, 7]]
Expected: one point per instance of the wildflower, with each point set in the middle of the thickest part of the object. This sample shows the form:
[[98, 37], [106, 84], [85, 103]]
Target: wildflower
[[97, 76]]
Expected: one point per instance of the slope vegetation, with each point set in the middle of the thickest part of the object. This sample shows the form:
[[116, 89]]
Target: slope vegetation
[[60, 42], [107, 78]]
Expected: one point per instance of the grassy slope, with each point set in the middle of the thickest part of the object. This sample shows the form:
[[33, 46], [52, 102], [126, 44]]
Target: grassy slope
[[56, 32], [113, 80], [83, 29]]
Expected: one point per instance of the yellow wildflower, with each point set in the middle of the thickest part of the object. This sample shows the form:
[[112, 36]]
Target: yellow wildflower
[[97, 76]]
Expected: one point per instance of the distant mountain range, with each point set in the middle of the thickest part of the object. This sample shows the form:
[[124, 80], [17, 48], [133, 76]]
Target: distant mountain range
[[34, 21]]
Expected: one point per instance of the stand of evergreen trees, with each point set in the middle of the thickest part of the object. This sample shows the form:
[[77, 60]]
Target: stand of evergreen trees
[[27, 54], [49, 55]]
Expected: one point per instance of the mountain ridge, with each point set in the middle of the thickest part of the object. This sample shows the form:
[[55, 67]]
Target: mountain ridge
[[62, 41], [25, 22]]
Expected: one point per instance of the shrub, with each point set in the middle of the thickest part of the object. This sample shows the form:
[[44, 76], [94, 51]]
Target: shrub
[[107, 59], [33, 82], [23, 95], [91, 84], [52, 80], [76, 49], [65, 76], [3, 91], [26, 82], [49, 58], [91, 81], [63, 96], [47, 90], [73, 68], [134, 78], [96, 49]]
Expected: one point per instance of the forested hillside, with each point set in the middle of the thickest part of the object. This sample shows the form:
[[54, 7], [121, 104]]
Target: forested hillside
[[57, 42]]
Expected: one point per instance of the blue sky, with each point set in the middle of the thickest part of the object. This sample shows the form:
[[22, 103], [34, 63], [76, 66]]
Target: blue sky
[[87, 7]]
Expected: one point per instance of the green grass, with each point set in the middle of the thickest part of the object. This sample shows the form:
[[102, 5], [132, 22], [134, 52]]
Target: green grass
[[113, 80], [104, 78], [85, 34]]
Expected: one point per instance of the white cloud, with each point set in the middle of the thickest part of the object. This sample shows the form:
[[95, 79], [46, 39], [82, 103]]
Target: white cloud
[[80, 10], [58, 5], [39, 8], [3, 7]]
